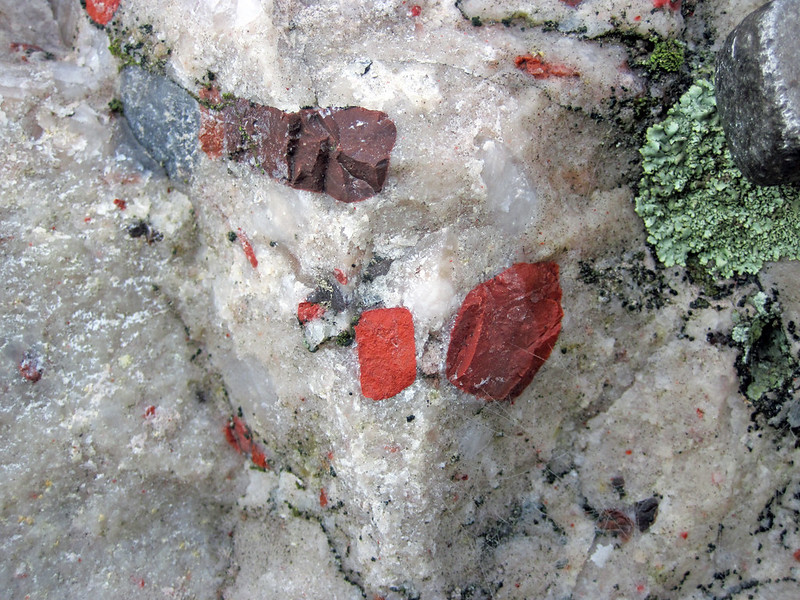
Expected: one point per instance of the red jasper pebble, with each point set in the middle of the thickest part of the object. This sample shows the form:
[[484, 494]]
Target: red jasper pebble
[[572, 3], [102, 11], [120, 204], [323, 498], [308, 311], [505, 331], [416, 10], [386, 352], [537, 68]]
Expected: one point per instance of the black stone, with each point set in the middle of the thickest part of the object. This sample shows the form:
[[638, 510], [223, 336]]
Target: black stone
[[758, 93]]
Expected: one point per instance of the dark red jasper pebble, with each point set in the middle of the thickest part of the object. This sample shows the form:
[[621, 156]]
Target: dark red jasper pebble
[[505, 331]]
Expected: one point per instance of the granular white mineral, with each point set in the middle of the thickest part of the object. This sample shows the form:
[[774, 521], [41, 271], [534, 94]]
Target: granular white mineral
[[165, 431]]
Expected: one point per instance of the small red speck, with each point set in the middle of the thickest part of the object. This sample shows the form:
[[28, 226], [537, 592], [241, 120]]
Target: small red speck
[[700, 413], [121, 204], [684, 535], [516, 585], [102, 11], [248, 248], [308, 311], [330, 455], [416, 10], [87, 219], [637, 18], [674, 5], [572, 3], [30, 368], [628, 452], [149, 411], [393, 448], [323, 498], [796, 555], [240, 437], [640, 588], [340, 276], [258, 458]]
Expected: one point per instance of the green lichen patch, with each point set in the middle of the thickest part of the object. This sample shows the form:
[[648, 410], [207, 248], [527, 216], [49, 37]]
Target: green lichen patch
[[695, 202], [667, 55], [138, 46]]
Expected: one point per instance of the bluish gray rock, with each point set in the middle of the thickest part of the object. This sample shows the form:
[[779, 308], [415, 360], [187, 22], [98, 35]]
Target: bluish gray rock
[[758, 93], [164, 118]]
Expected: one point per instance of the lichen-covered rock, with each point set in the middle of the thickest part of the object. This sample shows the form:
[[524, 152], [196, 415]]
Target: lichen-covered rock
[[696, 203], [758, 93]]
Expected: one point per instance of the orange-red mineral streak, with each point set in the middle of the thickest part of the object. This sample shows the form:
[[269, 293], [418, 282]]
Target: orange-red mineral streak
[[538, 68], [386, 352], [102, 11], [240, 437], [505, 330], [248, 248]]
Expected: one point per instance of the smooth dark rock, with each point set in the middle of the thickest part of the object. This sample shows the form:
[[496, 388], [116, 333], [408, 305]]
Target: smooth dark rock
[[164, 118], [758, 93]]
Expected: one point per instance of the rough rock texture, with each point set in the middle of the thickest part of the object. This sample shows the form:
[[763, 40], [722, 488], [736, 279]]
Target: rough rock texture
[[505, 330], [261, 470], [758, 93]]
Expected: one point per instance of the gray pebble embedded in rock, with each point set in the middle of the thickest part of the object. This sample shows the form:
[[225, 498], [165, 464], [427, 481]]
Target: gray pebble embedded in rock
[[758, 93], [164, 118]]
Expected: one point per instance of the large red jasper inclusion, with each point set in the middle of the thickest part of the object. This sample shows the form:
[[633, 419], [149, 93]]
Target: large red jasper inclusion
[[505, 331]]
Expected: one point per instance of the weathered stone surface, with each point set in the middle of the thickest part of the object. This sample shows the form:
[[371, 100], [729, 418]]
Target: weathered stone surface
[[505, 331], [164, 119], [758, 93], [386, 352]]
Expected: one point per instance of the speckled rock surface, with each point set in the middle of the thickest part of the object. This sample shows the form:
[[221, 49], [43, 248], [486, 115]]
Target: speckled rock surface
[[182, 440]]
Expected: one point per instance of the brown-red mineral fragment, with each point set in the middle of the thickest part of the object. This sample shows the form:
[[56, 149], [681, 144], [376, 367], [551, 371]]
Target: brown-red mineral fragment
[[386, 352], [505, 331], [343, 152]]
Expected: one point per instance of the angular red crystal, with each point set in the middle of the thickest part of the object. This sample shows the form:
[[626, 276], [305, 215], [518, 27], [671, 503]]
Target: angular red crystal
[[386, 352], [505, 331]]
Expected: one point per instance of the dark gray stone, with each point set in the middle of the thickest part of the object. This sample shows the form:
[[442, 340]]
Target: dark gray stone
[[164, 118], [758, 93]]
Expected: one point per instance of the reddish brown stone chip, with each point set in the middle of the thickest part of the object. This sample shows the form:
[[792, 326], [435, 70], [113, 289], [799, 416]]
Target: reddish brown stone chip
[[341, 151], [505, 331], [386, 352]]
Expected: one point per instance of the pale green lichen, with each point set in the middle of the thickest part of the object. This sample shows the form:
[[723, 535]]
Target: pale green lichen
[[695, 202]]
